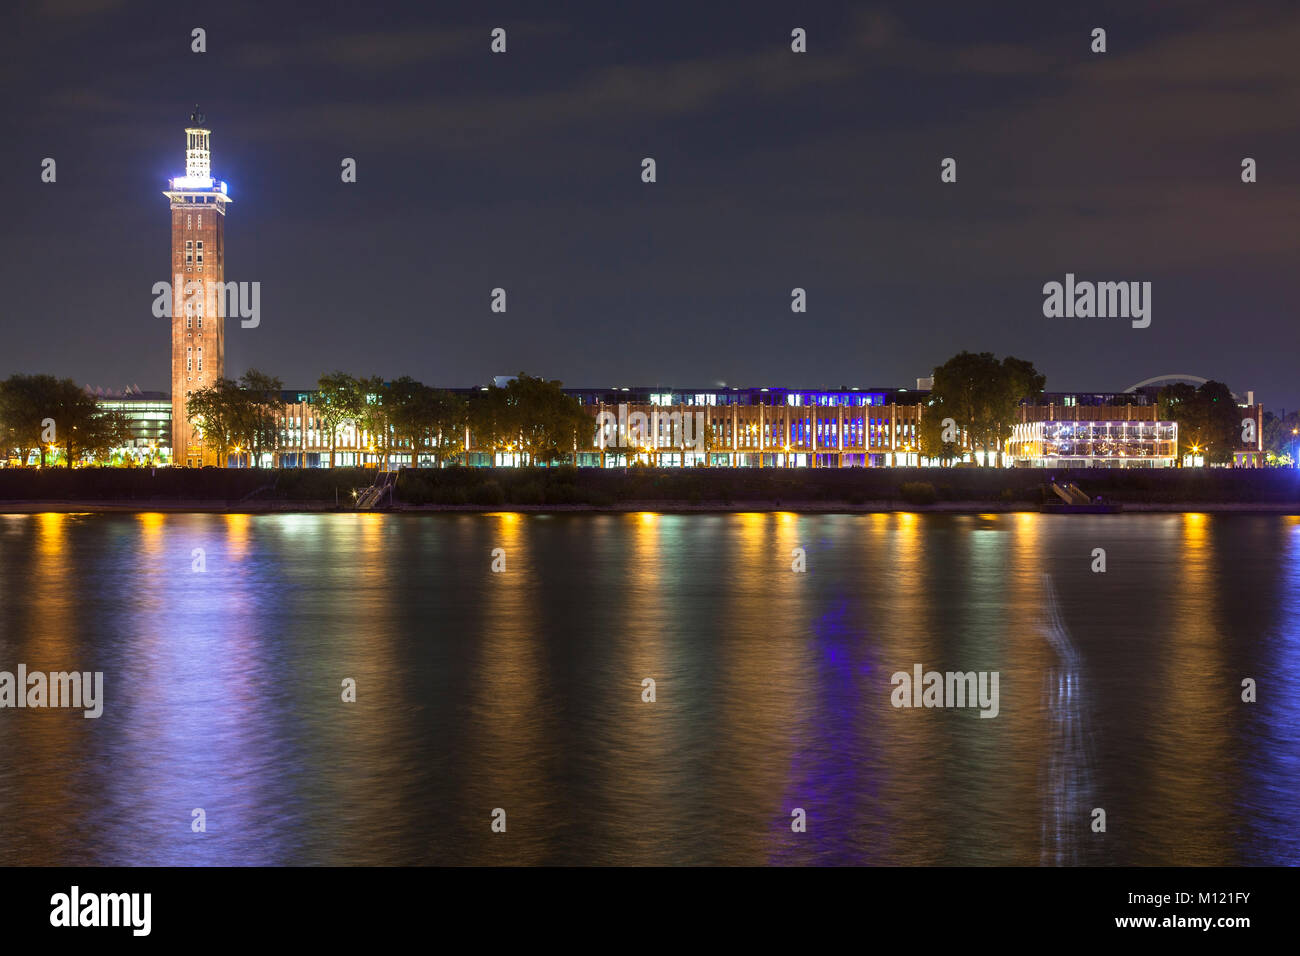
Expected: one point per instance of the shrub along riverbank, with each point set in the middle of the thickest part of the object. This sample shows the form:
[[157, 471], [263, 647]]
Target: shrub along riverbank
[[698, 487]]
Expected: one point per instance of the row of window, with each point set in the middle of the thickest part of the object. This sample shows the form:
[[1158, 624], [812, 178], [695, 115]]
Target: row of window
[[796, 399], [193, 247]]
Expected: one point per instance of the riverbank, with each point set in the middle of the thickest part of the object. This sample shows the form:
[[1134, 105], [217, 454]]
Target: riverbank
[[849, 490], [626, 507]]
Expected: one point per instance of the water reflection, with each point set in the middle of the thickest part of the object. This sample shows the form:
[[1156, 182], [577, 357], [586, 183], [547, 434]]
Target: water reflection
[[522, 689], [1068, 787]]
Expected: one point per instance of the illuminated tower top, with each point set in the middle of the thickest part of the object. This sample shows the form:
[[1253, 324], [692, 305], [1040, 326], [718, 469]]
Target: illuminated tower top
[[197, 185], [197, 158]]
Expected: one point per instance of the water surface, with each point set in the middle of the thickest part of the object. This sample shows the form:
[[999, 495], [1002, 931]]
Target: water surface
[[522, 690]]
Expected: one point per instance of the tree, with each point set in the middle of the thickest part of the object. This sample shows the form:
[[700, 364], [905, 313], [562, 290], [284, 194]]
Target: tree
[[491, 420], [104, 432], [73, 410], [374, 416], [983, 395], [410, 410], [550, 425], [930, 432], [1020, 382], [25, 403], [1209, 421], [261, 407], [242, 416], [216, 412], [339, 400], [447, 418], [41, 413], [1282, 436]]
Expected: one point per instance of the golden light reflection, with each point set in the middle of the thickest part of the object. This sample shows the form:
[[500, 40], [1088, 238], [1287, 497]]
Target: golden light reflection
[[366, 653], [773, 656], [509, 725], [46, 643], [1191, 764], [645, 735], [237, 530], [908, 598]]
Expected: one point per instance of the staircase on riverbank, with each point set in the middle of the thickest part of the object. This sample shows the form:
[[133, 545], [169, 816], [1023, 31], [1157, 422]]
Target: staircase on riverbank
[[378, 494], [1070, 493]]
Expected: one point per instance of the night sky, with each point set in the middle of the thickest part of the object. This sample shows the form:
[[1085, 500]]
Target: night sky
[[775, 170]]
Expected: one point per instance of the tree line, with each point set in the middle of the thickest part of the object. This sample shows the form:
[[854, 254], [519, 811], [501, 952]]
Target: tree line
[[529, 416], [982, 396], [1209, 420], [45, 420]]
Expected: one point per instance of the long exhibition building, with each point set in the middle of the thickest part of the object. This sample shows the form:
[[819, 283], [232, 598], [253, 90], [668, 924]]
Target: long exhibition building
[[752, 427], [775, 427]]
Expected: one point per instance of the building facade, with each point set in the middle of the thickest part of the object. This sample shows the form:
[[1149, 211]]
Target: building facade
[[760, 428], [198, 265], [773, 428], [1094, 444], [149, 415]]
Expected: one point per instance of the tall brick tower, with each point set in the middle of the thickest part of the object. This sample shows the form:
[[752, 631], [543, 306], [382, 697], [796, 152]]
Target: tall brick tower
[[198, 269]]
